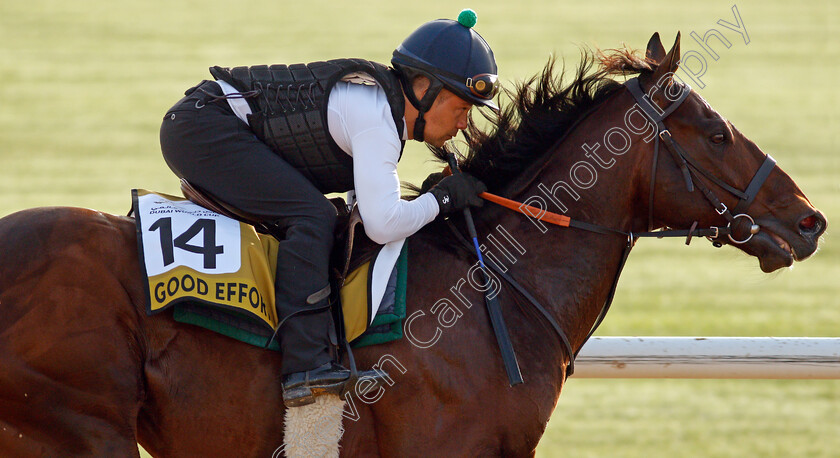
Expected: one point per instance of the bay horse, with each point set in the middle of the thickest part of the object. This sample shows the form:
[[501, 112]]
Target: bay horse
[[84, 371]]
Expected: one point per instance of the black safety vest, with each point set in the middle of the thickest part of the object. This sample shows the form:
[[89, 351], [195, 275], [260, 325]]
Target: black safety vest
[[289, 112]]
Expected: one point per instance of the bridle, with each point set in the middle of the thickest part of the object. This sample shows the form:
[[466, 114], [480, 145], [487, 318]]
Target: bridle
[[691, 171], [690, 167]]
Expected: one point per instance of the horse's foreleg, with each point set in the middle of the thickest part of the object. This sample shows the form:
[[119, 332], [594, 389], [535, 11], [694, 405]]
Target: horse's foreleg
[[70, 360], [70, 349], [43, 416]]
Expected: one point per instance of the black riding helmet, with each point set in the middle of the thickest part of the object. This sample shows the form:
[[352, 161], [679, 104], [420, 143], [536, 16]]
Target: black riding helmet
[[452, 55]]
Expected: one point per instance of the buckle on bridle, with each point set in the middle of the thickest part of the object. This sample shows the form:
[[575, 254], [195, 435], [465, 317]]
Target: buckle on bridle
[[664, 133], [721, 212], [715, 238], [754, 228]]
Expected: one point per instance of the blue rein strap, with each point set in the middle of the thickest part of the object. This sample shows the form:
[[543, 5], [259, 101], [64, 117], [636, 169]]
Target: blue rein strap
[[492, 302], [524, 292]]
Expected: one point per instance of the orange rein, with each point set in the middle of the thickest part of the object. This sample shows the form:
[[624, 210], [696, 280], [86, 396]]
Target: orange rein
[[533, 212], [527, 210]]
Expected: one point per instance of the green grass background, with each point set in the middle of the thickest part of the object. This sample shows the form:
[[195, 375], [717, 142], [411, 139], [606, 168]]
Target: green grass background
[[84, 85]]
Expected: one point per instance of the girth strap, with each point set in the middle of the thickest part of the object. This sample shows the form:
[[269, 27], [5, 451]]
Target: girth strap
[[489, 263], [540, 308]]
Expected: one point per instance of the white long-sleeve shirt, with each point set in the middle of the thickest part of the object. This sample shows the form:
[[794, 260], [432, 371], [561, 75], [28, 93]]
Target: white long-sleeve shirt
[[359, 120]]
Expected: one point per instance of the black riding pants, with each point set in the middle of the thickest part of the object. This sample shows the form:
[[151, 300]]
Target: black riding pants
[[204, 142]]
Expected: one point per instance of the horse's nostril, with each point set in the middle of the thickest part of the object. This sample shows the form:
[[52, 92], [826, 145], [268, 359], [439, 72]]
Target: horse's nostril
[[812, 224]]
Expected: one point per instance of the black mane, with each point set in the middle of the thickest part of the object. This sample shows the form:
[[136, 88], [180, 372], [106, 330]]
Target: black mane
[[541, 111]]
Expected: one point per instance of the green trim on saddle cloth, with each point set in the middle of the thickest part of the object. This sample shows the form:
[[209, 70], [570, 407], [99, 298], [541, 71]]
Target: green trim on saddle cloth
[[387, 325], [222, 323]]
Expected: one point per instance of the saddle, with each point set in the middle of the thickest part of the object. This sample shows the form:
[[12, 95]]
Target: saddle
[[350, 249]]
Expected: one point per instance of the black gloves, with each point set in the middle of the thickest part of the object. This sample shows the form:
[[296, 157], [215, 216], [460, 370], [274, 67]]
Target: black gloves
[[431, 180], [456, 192]]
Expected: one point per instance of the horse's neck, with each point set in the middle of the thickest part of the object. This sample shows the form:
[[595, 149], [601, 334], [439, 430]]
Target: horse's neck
[[571, 270]]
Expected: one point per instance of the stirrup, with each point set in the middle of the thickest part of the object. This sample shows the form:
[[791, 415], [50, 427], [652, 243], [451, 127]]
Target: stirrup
[[304, 394], [371, 380], [301, 388]]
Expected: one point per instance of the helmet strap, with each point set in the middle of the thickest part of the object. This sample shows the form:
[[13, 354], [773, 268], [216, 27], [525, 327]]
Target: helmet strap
[[422, 105], [419, 127]]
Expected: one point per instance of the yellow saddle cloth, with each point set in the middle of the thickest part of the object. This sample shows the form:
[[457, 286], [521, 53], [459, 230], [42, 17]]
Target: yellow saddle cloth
[[219, 273]]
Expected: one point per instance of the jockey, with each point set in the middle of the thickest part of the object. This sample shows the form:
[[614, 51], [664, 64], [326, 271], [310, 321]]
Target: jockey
[[272, 140]]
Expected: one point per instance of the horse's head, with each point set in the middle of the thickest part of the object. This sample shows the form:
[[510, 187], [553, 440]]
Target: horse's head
[[718, 157]]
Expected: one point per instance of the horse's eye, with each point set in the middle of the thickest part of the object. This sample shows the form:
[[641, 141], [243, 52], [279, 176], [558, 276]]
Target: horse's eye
[[718, 138]]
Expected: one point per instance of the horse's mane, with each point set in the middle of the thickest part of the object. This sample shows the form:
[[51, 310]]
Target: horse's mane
[[541, 111]]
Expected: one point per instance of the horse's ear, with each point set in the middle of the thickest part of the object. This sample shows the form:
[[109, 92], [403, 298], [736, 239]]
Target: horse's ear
[[655, 50], [669, 63]]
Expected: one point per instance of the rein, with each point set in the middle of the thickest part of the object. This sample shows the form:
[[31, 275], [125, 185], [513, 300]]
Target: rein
[[690, 170]]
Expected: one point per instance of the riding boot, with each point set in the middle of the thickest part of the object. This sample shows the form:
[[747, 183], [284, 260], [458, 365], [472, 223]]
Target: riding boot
[[302, 299], [302, 343], [302, 295]]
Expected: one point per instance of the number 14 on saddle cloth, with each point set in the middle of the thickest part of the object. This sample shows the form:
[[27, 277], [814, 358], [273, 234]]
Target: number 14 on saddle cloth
[[189, 254]]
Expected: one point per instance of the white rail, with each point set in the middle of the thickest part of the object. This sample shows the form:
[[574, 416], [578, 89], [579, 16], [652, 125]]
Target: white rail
[[710, 357]]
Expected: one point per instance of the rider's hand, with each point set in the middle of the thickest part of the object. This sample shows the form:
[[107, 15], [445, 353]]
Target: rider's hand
[[456, 192], [431, 180]]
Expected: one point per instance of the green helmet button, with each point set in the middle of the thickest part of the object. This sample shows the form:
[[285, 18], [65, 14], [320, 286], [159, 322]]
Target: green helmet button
[[467, 18]]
